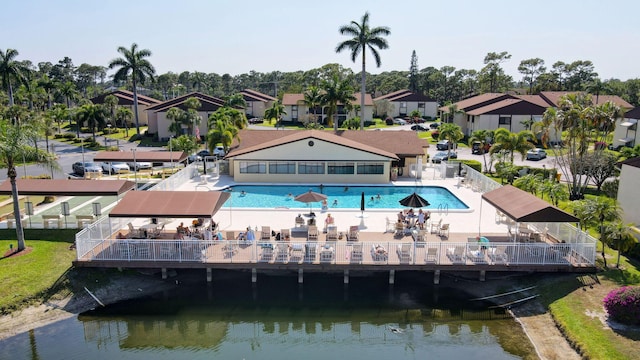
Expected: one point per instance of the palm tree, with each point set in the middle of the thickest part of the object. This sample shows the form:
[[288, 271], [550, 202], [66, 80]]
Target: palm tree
[[175, 114], [14, 146], [10, 69], [619, 234], [68, 90], [452, 133], [236, 101], [220, 132], [192, 118], [134, 62], [336, 91], [124, 115], [363, 37], [312, 98], [511, 143], [59, 113], [483, 137], [110, 103], [48, 85], [275, 111], [94, 115]]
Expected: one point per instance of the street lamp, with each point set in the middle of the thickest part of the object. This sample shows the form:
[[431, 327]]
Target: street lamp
[[171, 153], [135, 168]]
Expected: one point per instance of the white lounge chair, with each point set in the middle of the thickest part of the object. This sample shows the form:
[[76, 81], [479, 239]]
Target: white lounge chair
[[444, 230], [285, 235], [283, 252], [332, 233], [432, 256], [312, 233], [356, 253], [354, 233], [265, 233], [435, 227], [404, 252]]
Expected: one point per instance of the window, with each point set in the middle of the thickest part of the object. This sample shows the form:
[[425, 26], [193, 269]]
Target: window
[[420, 105], [403, 105], [311, 167], [340, 168], [371, 168], [253, 167], [504, 120], [294, 112], [281, 167]]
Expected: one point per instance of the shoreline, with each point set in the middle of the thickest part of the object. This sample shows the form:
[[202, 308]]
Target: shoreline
[[535, 321]]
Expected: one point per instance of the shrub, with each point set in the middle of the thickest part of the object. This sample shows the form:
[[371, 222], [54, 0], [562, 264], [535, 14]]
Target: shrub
[[474, 164], [623, 305], [610, 188], [435, 134]]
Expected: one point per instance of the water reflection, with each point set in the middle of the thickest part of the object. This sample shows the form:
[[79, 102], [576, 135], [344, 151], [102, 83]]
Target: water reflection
[[232, 319]]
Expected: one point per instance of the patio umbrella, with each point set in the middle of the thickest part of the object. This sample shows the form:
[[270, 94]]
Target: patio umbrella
[[310, 197], [414, 201], [362, 202]]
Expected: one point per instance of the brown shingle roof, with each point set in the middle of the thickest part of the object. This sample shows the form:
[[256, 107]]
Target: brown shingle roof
[[521, 206], [386, 143], [140, 156], [252, 95], [208, 102], [553, 97], [509, 107], [535, 99], [404, 95], [477, 101], [393, 94], [125, 98]]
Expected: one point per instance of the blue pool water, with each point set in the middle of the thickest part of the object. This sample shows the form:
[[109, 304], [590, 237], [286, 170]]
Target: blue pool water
[[347, 198]]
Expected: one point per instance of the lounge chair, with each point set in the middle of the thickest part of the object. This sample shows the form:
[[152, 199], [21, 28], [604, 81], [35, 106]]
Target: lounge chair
[[299, 221], [282, 252], [266, 254], [378, 253], [327, 253], [356, 253], [475, 254], [444, 230], [456, 255], [354, 233], [265, 233], [312, 233], [404, 252], [498, 255], [435, 227], [133, 232], [399, 230], [420, 237], [310, 250], [285, 235], [391, 226], [432, 256], [332, 233]]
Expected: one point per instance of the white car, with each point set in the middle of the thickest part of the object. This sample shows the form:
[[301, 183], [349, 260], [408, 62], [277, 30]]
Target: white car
[[115, 167], [399, 121], [219, 151], [536, 154], [139, 165]]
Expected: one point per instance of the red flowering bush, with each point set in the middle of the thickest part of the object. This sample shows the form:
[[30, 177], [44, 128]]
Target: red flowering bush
[[623, 305]]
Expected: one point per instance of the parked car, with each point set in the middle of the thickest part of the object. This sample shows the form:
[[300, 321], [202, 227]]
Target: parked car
[[418, 127], [536, 154], [115, 167], [255, 121], [399, 121], [219, 151], [193, 158], [140, 165], [443, 156], [80, 168], [434, 125], [478, 149], [443, 145]]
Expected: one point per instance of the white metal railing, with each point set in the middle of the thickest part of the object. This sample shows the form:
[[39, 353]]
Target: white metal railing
[[339, 253]]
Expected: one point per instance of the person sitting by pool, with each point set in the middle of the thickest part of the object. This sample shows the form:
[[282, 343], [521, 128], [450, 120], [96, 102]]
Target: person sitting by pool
[[380, 250], [325, 206], [328, 221], [250, 234], [401, 217], [241, 236], [120, 235], [182, 230]]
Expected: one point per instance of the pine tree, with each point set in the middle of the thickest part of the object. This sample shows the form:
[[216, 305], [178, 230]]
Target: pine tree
[[413, 72]]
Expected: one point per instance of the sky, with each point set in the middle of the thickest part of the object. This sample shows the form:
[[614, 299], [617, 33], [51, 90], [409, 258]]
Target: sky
[[237, 37]]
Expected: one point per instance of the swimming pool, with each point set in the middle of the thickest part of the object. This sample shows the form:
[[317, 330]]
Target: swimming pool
[[339, 197]]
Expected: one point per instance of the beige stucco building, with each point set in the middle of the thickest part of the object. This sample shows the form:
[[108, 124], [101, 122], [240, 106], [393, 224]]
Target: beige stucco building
[[297, 111], [405, 102], [257, 103], [307, 156], [628, 191], [125, 99]]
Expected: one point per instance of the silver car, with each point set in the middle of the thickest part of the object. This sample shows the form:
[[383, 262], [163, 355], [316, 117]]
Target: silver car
[[115, 167], [536, 154], [140, 165]]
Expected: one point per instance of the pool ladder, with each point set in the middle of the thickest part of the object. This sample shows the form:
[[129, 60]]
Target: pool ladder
[[443, 209]]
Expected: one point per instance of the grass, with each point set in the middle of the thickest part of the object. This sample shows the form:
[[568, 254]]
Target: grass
[[8, 208]]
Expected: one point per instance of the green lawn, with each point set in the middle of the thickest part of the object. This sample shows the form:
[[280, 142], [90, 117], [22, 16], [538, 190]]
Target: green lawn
[[31, 277]]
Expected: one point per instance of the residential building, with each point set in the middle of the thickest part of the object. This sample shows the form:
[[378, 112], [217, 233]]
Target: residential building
[[159, 123], [626, 131], [628, 194], [310, 156], [298, 111], [125, 99], [405, 102], [257, 103]]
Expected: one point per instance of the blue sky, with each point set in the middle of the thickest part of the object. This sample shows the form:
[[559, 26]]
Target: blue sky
[[239, 36]]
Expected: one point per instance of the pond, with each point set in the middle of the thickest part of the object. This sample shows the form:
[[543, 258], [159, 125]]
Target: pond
[[279, 319]]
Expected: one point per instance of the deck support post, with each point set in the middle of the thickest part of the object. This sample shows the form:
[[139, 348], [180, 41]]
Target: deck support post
[[483, 275], [436, 277], [209, 275], [300, 276], [392, 277], [346, 276], [164, 273], [254, 275]]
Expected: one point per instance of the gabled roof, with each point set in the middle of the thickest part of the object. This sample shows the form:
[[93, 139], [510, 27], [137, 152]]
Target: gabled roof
[[252, 95], [64, 187], [126, 98], [295, 99], [535, 99], [140, 156], [387, 143], [633, 113], [553, 97], [477, 101], [634, 162], [295, 136], [509, 107], [208, 103], [170, 204], [405, 95], [521, 206]]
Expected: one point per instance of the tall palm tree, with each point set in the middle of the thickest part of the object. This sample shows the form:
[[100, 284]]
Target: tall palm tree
[[133, 61], [48, 85], [363, 37], [483, 137], [312, 98], [220, 132], [110, 103], [511, 143], [10, 69], [336, 91], [14, 139], [192, 119]]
